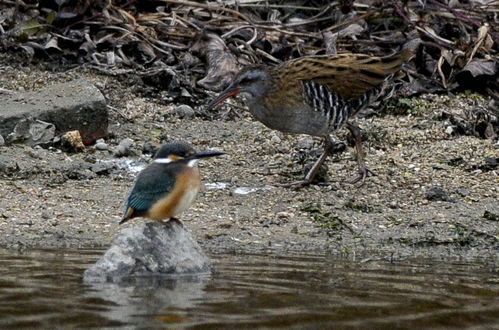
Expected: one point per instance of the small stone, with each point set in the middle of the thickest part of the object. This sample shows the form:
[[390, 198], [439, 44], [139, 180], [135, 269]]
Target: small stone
[[320, 177], [305, 143], [463, 192], [490, 163], [124, 148], [71, 141], [284, 215], [185, 93], [184, 111], [275, 139], [102, 168], [392, 205], [46, 214], [150, 147], [82, 174], [437, 194], [101, 145], [449, 130], [2, 141], [491, 216]]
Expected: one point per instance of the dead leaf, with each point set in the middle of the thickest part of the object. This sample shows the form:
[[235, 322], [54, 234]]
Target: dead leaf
[[479, 67], [482, 34], [125, 16], [222, 64], [27, 28], [440, 72], [352, 31], [52, 44], [30, 51]]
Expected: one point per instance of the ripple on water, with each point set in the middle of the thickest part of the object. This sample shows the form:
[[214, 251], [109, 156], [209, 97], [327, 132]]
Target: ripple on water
[[43, 288]]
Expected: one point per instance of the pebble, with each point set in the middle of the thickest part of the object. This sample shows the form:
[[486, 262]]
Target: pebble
[[102, 168], [124, 148], [284, 215], [392, 205], [491, 163], [101, 145], [46, 214], [150, 147], [463, 192], [184, 111], [305, 143], [275, 139], [437, 194], [71, 141]]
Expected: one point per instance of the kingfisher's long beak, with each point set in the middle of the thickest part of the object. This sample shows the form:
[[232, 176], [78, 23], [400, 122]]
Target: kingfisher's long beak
[[207, 153], [229, 92]]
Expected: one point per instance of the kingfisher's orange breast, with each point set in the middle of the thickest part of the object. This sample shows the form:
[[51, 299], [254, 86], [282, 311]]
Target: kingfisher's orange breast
[[181, 197]]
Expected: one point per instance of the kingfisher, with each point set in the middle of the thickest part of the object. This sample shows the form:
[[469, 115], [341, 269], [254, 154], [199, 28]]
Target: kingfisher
[[167, 186]]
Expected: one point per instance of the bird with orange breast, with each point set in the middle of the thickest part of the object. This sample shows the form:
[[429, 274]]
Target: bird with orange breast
[[169, 185]]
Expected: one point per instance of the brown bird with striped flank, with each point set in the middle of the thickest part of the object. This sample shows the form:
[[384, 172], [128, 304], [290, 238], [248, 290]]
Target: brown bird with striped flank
[[316, 95]]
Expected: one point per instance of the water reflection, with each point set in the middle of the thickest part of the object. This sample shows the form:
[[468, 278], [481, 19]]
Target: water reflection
[[44, 289], [148, 296]]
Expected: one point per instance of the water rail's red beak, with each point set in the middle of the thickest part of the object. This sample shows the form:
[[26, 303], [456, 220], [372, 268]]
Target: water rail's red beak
[[229, 92]]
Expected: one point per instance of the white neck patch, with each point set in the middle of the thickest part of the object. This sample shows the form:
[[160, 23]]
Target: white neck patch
[[192, 162], [163, 160]]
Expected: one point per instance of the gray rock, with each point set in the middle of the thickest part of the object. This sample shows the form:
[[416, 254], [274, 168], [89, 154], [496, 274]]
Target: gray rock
[[31, 132], [124, 148], [275, 139], [392, 205], [102, 168], [46, 214], [82, 175], [149, 249], [463, 192], [439, 194], [305, 143], [184, 111], [101, 146], [75, 105], [2, 141], [150, 147], [490, 163]]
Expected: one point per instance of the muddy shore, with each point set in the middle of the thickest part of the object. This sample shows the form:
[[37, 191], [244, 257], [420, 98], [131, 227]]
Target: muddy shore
[[435, 193]]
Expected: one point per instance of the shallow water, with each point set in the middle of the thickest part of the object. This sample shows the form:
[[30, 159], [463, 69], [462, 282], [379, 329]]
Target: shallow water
[[44, 289]]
